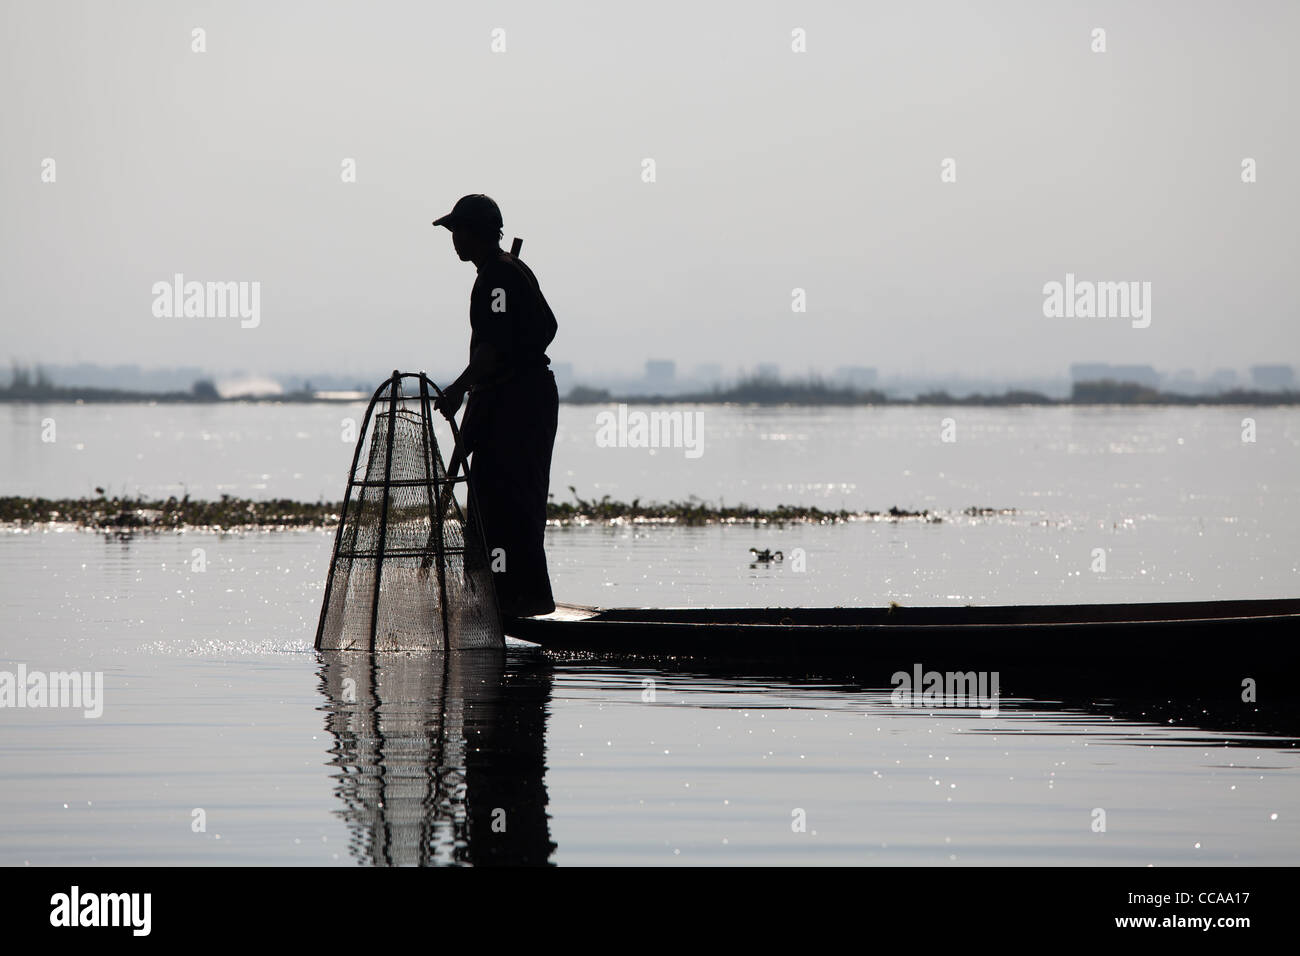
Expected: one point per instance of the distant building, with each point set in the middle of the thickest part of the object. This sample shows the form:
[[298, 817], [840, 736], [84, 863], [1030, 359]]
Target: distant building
[[1137, 374], [767, 370], [1272, 377]]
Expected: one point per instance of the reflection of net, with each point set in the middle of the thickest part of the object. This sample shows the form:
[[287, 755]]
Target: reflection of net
[[400, 744], [405, 575], [438, 759]]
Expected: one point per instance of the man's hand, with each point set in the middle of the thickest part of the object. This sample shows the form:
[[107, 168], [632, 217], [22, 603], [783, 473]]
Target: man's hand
[[449, 401]]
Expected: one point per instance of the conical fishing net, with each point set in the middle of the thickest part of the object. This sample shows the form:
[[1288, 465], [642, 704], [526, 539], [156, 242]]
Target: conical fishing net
[[409, 572]]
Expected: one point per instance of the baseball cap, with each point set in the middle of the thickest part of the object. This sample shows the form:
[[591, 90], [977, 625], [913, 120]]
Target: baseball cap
[[473, 210]]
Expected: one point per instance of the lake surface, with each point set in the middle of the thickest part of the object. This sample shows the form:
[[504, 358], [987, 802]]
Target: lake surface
[[215, 702]]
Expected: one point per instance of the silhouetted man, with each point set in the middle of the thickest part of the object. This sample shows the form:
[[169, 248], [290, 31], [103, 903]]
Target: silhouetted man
[[509, 424]]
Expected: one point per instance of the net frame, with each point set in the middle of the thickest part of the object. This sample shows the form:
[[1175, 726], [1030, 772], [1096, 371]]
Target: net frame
[[467, 613]]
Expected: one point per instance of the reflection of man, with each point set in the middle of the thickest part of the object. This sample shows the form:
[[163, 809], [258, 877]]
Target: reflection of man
[[509, 424]]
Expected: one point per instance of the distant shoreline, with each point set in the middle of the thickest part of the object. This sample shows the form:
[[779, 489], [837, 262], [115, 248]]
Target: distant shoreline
[[747, 393]]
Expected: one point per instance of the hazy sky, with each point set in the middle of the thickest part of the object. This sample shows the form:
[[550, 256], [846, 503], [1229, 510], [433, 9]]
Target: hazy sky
[[775, 170]]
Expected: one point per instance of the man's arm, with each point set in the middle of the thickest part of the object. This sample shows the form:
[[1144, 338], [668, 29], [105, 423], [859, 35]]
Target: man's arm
[[488, 357], [484, 363]]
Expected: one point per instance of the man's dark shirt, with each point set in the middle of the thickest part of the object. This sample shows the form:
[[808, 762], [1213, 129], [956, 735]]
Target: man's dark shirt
[[521, 325]]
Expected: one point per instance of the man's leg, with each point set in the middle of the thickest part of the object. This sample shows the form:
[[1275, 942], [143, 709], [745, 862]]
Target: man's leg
[[535, 588]]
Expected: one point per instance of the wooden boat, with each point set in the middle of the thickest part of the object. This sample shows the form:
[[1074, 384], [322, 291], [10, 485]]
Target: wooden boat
[[1199, 635]]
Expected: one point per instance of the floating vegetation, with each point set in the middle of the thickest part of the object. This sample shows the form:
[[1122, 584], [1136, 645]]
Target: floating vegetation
[[128, 515], [173, 514], [696, 512]]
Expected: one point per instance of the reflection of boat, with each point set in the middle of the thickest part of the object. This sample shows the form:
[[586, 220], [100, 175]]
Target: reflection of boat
[[439, 756], [1199, 634]]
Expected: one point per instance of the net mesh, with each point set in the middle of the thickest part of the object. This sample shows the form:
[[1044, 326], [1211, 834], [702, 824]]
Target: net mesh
[[408, 572]]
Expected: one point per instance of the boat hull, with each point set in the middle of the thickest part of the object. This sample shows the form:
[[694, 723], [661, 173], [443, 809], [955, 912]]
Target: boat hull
[[1181, 636]]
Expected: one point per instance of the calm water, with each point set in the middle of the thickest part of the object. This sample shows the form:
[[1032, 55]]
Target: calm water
[[214, 701]]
